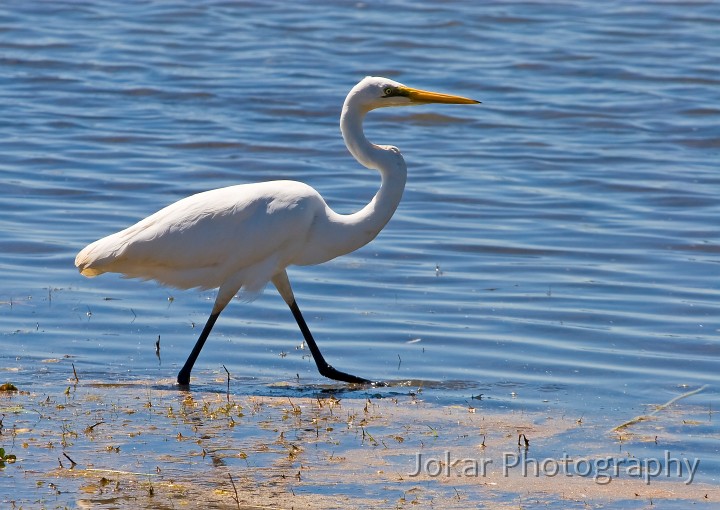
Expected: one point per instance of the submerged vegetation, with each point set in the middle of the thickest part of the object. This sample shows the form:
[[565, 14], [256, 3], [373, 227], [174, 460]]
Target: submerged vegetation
[[147, 445]]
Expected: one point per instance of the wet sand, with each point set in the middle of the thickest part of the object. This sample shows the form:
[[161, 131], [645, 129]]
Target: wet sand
[[148, 445]]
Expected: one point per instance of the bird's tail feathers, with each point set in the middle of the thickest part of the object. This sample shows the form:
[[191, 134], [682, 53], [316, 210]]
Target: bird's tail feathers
[[91, 258], [90, 272]]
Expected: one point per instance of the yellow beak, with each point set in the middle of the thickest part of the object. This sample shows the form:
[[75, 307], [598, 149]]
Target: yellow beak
[[424, 96]]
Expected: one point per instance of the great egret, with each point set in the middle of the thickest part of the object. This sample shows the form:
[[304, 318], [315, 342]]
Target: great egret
[[240, 237]]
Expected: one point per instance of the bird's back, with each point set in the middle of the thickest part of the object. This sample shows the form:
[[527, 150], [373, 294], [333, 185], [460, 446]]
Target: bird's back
[[202, 240]]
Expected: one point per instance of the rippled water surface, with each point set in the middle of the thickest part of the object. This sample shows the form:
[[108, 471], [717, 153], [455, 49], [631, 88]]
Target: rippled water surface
[[556, 246]]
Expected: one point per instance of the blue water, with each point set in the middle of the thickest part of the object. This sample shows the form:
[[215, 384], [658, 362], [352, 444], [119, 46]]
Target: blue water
[[558, 243]]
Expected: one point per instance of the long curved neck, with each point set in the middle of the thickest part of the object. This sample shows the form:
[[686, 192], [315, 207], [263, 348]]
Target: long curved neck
[[346, 233]]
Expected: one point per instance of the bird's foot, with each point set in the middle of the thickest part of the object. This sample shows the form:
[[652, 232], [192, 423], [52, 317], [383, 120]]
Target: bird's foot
[[332, 373], [183, 379]]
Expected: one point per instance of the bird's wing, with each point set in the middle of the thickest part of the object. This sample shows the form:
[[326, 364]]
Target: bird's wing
[[201, 240]]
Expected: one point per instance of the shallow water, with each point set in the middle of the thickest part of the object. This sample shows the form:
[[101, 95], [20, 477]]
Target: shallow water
[[556, 247]]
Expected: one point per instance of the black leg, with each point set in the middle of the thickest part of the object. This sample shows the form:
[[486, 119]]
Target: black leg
[[183, 377], [324, 367]]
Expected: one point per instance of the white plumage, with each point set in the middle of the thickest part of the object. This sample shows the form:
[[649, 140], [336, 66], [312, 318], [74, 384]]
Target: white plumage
[[203, 240], [241, 237]]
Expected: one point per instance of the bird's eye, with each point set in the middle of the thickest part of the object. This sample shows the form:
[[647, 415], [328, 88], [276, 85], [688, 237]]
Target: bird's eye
[[389, 91]]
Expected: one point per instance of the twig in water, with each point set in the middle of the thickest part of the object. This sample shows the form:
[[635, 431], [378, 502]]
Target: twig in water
[[645, 417], [72, 462], [77, 379], [90, 428], [228, 386], [236, 497], [524, 437]]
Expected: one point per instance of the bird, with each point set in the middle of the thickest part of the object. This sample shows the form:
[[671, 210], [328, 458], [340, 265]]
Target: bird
[[239, 238]]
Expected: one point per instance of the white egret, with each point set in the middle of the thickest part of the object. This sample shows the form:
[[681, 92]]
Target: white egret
[[241, 237]]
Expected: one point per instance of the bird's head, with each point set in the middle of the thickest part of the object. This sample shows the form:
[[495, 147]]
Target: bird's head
[[375, 92]]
